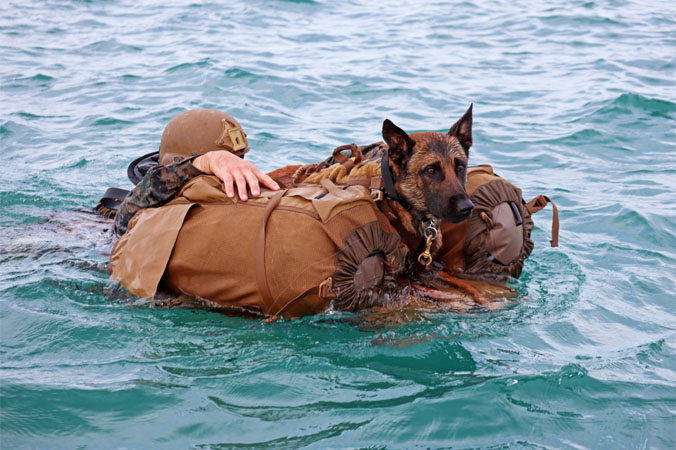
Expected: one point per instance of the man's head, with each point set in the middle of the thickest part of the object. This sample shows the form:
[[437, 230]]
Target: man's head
[[199, 131]]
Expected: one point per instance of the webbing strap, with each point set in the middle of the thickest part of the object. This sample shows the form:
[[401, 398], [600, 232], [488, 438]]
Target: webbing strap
[[259, 252], [539, 202], [324, 290], [388, 178], [113, 198]]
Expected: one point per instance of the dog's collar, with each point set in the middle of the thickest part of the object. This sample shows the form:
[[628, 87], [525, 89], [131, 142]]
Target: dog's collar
[[388, 178]]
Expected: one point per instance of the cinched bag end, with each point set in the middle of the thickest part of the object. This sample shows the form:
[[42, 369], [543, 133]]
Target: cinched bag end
[[370, 258]]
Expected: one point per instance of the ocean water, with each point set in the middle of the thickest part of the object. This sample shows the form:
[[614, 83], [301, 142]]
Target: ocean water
[[575, 100]]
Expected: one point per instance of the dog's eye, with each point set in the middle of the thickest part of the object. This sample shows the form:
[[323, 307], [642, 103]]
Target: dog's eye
[[460, 167], [431, 170]]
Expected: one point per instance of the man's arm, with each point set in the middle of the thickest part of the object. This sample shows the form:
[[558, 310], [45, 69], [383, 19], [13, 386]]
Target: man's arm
[[159, 185], [162, 183]]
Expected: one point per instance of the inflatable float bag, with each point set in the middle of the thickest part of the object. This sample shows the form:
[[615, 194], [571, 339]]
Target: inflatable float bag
[[289, 253], [492, 244], [495, 241]]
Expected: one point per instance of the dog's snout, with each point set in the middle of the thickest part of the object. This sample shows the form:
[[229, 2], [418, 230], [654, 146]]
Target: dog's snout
[[465, 206], [458, 209]]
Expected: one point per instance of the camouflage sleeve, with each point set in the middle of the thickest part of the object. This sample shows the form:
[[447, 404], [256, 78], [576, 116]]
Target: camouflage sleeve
[[157, 187]]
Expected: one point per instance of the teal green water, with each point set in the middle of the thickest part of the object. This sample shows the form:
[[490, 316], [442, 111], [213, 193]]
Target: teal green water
[[575, 100]]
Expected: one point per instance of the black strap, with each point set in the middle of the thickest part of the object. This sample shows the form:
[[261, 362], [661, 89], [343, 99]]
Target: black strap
[[141, 165], [113, 198], [388, 178], [517, 215]]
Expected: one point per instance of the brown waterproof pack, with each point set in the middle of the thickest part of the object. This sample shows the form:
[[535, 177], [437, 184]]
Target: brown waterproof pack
[[495, 241], [492, 244], [289, 253]]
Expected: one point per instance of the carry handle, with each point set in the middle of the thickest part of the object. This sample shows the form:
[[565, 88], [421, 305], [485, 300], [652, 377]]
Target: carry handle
[[537, 204], [348, 163]]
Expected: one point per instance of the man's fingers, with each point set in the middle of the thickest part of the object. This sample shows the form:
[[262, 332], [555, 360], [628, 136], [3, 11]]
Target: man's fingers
[[227, 183], [241, 186], [253, 182], [266, 180], [241, 173]]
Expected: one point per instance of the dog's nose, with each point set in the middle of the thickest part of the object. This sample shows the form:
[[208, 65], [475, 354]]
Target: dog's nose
[[465, 207]]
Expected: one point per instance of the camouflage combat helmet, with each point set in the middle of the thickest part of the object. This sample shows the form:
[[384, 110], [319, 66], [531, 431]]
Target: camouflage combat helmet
[[199, 131]]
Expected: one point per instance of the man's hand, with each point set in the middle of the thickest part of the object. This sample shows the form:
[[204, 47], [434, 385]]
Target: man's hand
[[232, 169]]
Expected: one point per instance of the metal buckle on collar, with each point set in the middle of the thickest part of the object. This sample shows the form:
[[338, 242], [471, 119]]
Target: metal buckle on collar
[[431, 233]]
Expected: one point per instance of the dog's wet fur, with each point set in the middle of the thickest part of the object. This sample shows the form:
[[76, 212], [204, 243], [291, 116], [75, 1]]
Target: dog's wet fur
[[430, 173]]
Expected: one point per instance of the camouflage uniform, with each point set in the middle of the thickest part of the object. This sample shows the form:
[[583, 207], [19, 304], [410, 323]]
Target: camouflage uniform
[[157, 187]]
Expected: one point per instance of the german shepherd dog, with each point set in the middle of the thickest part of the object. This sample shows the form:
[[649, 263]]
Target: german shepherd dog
[[428, 172]]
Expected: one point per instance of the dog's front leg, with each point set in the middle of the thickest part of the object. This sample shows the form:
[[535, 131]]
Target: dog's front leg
[[458, 284], [455, 301]]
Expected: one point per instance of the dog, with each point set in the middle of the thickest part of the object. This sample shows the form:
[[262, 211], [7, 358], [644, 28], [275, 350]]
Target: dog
[[424, 177]]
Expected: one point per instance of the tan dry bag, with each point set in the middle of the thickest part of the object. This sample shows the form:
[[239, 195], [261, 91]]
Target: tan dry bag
[[289, 253], [495, 241], [492, 244]]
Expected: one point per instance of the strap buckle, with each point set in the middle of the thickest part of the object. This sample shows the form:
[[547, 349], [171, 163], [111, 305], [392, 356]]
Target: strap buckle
[[326, 288]]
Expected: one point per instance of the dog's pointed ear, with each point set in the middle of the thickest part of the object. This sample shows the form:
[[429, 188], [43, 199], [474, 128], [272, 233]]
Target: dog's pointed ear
[[399, 143], [462, 129]]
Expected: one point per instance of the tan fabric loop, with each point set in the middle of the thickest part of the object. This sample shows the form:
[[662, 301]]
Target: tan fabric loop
[[537, 204], [360, 181], [261, 277], [555, 225], [338, 153], [328, 184], [357, 154], [487, 220], [348, 163]]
